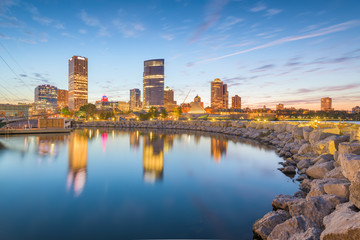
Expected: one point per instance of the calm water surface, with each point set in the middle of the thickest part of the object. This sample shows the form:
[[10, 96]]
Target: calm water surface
[[110, 184]]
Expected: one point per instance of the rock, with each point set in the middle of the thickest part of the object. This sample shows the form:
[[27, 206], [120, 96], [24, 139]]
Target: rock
[[298, 132], [322, 133], [349, 147], [305, 148], [282, 201], [343, 223], [355, 135], [289, 170], [340, 188], [299, 227], [306, 133], [319, 170], [329, 144], [263, 226], [350, 164], [355, 191], [335, 173], [323, 158], [315, 208], [305, 163]]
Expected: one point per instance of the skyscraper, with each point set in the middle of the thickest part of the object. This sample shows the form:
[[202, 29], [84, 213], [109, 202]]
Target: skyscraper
[[78, 82], [46, 97], [219, 95], [169, 102], [153, 82], [236, 102], [326, 104], [62, 98], [135, 102], [198, 100]]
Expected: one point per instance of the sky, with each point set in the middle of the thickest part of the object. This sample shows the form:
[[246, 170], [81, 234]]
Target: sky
[[268, 52]]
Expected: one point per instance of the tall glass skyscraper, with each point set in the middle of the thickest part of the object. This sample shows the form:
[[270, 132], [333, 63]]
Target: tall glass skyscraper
[[219, 95], [78, 82], [135, 99], [153, 82], [46, 96]]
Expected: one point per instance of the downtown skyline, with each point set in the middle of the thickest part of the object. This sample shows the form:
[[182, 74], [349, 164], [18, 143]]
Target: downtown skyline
[[266, 52]]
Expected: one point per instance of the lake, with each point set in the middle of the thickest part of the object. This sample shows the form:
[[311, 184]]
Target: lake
[[136, 184]]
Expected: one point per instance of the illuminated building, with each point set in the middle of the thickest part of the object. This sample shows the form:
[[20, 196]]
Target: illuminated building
[[46, 97], [326, 104], [198, 100], [104, 104], [78, 82], [280, 107], [236, 102], [135, 102], [62, 98], [123, 106], [169, 102], [218, 148], [13, 110], [219, 95], [153, 83], [153, 157], [78, 146]]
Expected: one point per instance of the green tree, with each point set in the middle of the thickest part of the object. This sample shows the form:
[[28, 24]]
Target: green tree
[[153, 112], [65, 111], [89, 109], [177, 112], [163, 113]]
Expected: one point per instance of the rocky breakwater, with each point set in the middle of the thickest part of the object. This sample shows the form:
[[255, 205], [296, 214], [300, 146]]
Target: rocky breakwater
[[326, 160]]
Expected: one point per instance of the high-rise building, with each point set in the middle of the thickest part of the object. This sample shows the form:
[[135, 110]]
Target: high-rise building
[[62, 98], [135, 102], [326, 104], [236, 102], [169, 102], [198, 100], [46, 97], [219, 95], [78, 82], [356, 110], [153, 83], [280, 107]]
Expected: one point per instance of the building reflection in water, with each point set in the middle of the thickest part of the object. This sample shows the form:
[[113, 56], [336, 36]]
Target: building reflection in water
[[154, 147], [134, 140], [218, 147], [104, 137], [78, 146], [47, 146]]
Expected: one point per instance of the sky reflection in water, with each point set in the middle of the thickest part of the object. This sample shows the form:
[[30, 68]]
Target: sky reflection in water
[[140, 184]]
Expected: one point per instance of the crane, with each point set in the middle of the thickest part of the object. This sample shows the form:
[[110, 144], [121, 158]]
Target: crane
[[186, 96]]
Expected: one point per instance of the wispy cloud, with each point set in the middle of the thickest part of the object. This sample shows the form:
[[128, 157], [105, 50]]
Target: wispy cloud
[[263, 68], [229, 22], [94, 22], [212, 15], [5, 5], [321, 32], [338, 88], [260, 6], [272, 12], [168, 37], [128, 29]]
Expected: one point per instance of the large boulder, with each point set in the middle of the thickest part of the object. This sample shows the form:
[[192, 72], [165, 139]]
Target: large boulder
[[296, 228], [349, 147], [306, 132], [304, 163], [350, 164], [305, 148], [263, 226], [298, 132], [355, 191], [282, 201], [319, 170], [343, 223], [322, 133], [329, 144], [335, 173], [339, 188], [315, 208]]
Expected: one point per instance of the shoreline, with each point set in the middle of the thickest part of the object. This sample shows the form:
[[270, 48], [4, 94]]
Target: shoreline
[[326, 158]]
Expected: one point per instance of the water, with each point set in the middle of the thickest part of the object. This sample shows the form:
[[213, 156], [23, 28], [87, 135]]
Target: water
[[112, 184]]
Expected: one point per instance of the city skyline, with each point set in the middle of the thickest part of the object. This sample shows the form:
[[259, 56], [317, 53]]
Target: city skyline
[[266, 52]]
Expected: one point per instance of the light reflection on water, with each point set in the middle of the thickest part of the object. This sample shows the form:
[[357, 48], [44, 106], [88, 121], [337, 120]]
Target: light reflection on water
[[135, 184]]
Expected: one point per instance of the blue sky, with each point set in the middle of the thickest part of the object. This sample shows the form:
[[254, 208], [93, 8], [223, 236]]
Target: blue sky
[[268, 52]]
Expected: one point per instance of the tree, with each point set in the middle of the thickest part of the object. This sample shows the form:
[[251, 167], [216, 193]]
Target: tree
[[89, 109], [65, 111], [153, 112], [163, 113], [177, 112]]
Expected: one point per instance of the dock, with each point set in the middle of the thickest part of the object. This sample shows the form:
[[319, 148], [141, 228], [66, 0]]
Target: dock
[[34, 131]]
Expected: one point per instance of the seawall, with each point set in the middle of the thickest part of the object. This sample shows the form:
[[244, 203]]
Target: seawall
[[326, 159]]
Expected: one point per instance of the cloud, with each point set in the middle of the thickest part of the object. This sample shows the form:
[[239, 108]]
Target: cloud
[[258, 7], [3, 36], [82, 31], [263, 68], [229, 22], [9, 21], [93, 22], [338, 88], [212, 15], [5, 5], [128, 29], [168, 37], [321, 32], [272, 12]]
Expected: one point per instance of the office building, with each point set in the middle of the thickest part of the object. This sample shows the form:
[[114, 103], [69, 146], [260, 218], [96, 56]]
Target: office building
[[169, 102], [280, 107], [135, 102], [219, 95], [46, 97], [236, 102], [13, 110], [153, 83], [326, 104], [78, 82], [62, 98]]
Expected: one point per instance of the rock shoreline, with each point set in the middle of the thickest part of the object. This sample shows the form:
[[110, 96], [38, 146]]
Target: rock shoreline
[[325, 157]]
